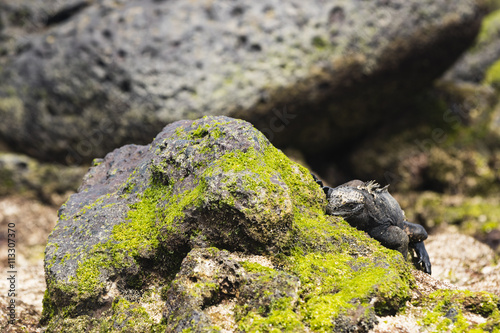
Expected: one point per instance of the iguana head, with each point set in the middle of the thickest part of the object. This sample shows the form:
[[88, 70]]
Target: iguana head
[[344, 201], [355, 198]]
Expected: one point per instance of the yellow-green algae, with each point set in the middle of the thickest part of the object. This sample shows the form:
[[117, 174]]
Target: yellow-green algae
[[322, 251], [445, 311], [281, 318], [129, 317], [490, 28], [333, 281], [139, 234], [493, 75]]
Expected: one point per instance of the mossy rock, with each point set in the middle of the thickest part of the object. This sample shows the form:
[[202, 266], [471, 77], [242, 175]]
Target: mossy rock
[[451, 310], [474, 64], [157, 228], [493, 75]]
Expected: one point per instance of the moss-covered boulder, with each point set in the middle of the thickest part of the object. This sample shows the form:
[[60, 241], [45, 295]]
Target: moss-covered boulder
[[79, 78], [210, 227]]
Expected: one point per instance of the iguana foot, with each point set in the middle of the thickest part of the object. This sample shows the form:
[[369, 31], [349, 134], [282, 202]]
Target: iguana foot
[[423, 260]]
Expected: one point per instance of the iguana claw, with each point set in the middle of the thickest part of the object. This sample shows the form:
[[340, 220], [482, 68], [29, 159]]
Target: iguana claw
[[424, 262]]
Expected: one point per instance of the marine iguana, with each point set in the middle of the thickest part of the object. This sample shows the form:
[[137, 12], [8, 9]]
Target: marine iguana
[[368, 207]]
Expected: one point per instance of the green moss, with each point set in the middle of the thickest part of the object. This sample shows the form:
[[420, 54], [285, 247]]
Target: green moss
[[253, 267], [138, 235], [253, 173], [490, 28], [281, 318], [49, 308], [319, 42], [493, 75], [332, 279], [446, 308], [140, 232], [333, 283], [124, 316], [213, 130], [269, 310], [267, 164], [127, 316], [88, 275]]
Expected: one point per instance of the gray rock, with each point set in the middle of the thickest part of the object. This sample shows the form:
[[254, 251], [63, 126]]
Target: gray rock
[[94, 75]]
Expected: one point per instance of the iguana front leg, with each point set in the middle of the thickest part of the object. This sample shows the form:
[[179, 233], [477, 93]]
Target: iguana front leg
[[400, 239], [417, 234], [391, 236]]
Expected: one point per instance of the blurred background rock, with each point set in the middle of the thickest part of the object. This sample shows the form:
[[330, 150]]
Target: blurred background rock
[[81, 78]]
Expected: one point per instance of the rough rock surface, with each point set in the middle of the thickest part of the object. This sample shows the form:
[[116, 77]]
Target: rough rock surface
[[90, 76], [154, 229]]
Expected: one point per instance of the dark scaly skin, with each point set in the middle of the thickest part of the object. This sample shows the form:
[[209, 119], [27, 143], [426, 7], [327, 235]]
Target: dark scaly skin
[[374, 210]]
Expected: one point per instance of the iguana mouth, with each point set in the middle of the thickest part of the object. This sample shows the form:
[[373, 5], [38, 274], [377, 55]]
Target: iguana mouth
[[349, 209]]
